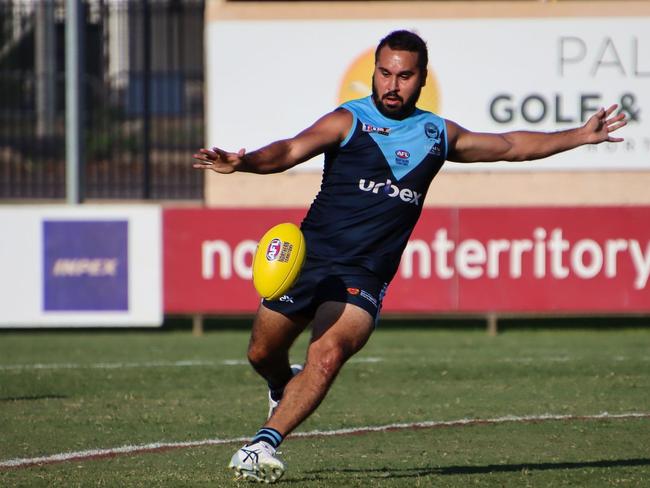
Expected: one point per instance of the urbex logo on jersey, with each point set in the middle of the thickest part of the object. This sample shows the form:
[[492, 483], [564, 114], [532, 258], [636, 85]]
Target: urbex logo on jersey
[[405, 194]]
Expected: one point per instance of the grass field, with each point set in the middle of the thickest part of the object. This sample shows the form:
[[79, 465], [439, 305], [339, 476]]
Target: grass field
[[67, 391]]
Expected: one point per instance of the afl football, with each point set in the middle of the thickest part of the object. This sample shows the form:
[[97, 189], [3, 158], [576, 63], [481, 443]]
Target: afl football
[[278, 260]]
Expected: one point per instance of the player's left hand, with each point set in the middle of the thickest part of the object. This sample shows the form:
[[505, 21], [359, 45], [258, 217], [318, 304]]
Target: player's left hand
[[600, 125]]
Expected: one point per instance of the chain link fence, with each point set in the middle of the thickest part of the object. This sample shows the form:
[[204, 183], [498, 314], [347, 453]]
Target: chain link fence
[[142, 98]]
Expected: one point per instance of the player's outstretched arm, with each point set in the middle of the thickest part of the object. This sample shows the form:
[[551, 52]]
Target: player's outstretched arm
[[469, 147], [281, 155]]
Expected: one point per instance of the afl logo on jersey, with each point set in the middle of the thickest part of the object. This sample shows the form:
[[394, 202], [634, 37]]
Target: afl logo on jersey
[[273, 251], [402, 157]]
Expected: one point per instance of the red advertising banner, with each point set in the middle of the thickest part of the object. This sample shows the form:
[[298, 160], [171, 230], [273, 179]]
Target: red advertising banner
[[468, 260], [208, 257]]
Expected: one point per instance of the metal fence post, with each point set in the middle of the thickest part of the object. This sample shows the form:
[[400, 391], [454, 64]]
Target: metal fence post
[[74, 44], [146, 101], [45, 72]]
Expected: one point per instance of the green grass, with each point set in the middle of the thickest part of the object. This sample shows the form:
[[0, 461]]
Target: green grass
[[420, 375]]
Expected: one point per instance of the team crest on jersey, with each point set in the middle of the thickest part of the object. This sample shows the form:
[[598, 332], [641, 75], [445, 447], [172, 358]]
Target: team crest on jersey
[[431, 131], [382, 131]]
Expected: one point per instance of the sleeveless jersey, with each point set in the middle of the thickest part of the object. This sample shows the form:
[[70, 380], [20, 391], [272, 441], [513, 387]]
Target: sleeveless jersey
[[373, 188]]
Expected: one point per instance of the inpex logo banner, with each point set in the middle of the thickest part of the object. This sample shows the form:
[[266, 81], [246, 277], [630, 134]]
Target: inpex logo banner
[[85, 265]]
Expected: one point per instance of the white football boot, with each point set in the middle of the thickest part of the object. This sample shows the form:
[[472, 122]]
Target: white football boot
[[273, 404], [257, 462]]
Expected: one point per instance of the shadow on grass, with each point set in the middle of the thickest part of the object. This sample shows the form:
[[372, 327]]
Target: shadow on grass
[[32, 398], [174, 323], [465, 470], [388, 321]]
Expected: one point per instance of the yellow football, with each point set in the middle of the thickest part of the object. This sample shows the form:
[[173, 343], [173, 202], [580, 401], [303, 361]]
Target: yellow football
[[278, 260]]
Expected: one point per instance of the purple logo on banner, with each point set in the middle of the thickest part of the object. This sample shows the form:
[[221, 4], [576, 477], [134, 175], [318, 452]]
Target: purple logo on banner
[[85, 265]]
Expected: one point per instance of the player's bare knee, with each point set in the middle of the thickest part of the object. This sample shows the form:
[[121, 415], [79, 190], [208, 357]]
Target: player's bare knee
[[327, 358], [258, 356]]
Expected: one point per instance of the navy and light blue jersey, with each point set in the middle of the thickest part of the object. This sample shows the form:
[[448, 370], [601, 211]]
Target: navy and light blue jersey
[[373, 188]]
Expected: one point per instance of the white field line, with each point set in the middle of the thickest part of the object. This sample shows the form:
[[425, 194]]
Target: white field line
[[242, 362], [529, 360], [149, 364], [431, 424]]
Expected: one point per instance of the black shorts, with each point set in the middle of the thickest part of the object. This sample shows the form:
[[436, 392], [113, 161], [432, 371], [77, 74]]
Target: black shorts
[[320, 282]]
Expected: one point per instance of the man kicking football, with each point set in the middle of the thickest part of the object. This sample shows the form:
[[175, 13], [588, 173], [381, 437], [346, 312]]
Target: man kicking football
[[381, 154]]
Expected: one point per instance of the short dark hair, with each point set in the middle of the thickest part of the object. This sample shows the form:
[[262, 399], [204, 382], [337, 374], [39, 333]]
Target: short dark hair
[[403, 40]]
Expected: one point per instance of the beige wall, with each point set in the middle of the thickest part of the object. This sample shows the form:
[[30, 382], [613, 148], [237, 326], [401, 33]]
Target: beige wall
[[224, 10], [449, 188]]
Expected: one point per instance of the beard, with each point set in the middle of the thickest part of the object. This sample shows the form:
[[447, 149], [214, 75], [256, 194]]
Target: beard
[[399, 113]]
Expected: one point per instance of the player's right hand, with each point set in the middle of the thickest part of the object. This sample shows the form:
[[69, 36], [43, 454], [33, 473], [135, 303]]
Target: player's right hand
[[218, 160]]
